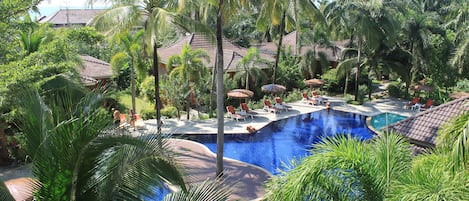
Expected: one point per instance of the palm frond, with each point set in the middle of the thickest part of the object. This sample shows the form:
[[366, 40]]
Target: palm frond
[[210, 189], [5, 193]]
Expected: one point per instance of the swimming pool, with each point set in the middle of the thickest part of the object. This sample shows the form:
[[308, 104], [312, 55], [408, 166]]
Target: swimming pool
[[284, 140], [379, 121]]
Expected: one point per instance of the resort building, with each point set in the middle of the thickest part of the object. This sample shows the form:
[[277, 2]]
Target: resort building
[[232, 53], [71, 17], [94, 72], [421, 129]]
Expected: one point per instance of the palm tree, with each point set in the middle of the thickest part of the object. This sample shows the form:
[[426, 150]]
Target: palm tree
[[285, 15], [372, 21], [152, 15], [343, 168], [77, 156], [131, 49], [247, 63], [189, 66]]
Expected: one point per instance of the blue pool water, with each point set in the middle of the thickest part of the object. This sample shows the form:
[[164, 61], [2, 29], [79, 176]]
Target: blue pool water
[[379, 121], [281, 141]]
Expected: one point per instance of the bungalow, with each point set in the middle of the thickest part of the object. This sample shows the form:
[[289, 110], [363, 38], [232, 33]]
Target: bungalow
[[421, 129], [94, 72], [232, 54], [71, 17]]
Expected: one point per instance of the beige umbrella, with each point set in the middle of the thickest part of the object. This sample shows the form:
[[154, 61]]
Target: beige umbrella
[[422, 87], [457, 95], [314, 82], [240, 93], [273, 88], [22, 188]]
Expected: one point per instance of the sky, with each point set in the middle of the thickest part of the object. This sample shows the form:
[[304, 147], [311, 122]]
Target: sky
[[69, 3], [49, 7]]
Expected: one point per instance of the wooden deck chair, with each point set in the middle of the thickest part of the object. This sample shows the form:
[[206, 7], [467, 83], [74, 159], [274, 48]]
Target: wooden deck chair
[[245, 110], [269, 107], [428, 105], [281, 105], [123, 121], [414, 101], [139, 124], [232, 113]]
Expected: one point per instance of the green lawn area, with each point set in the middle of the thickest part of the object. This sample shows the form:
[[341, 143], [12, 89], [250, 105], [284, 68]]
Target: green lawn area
[[140, 104]]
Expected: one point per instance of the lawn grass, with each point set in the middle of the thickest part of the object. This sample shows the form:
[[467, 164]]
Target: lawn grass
[[140, 104]]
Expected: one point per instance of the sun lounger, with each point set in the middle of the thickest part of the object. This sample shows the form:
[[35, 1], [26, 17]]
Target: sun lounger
[[139, 124], [246, 111], [412, 104], [308, 100], [280, 105], [269, 107], [428, 105], [232, 113], [123, 121]]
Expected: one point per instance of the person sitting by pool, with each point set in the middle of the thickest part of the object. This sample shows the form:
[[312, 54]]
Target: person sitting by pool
[[328, 106], [116, 116]]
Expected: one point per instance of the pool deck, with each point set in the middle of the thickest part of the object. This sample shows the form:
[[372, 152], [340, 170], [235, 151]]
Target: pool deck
[[199, 163]]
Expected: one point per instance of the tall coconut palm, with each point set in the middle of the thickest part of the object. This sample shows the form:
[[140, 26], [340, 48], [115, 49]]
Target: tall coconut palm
[[285, 15], [76, 155], [343, 168], [131, 44], [152, 15], [223, 11], [189, 67], [372, 25]]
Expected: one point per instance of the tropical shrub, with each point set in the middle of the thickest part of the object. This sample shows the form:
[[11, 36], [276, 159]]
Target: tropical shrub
[[362, 92]]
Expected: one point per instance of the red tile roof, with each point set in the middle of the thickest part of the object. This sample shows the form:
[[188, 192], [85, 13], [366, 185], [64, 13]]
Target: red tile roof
[[422, 128], [75, 16], [232, 53]]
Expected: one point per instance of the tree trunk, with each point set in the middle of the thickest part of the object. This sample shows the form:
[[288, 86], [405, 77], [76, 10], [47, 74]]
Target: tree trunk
[[157, 92], [220, 92], [213, 97], [132, 82], [279, 48], [369, 83], [357, 76]]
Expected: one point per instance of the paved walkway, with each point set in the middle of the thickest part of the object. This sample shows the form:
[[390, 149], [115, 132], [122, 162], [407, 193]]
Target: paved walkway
[[199, 163]]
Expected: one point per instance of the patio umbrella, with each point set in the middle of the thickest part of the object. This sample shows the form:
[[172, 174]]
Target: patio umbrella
[[457, 95], [273, 88], [240, 93], [314, 82], [422, 87]]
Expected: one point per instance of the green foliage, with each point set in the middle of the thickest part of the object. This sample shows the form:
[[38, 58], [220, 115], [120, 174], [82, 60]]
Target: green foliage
[[287, 72], [331, 83], [76, 155], [87, 40], [169, 111], [362, 91], [394, 90], [343, 168], [147, 88]]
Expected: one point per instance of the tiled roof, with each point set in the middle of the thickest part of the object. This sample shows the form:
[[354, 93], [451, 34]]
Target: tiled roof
[[94, 68], [290, 41], [75, 16], [232, 53], [422, 128]]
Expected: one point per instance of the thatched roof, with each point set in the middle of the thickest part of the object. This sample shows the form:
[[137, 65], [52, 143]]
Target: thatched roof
[[65, 17], [232, 53], [290, 41], [93, 70]]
